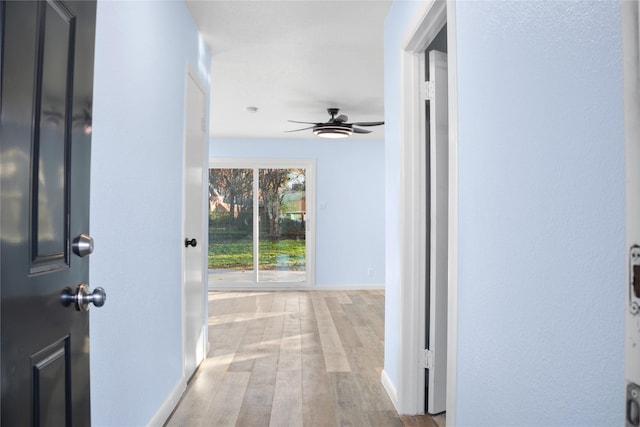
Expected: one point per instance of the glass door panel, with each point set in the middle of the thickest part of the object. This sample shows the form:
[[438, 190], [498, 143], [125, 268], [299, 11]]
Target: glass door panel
[[231, 242], [258, 224], [282, 231]]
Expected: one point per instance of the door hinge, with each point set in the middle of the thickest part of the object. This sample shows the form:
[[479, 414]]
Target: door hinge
[[426, 359], [428, 90]]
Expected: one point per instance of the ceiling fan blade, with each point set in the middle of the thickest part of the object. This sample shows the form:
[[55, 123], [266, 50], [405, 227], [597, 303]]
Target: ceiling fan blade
[[358, 130], [306, 123], [341, 118], [368, 123], [297, 130]]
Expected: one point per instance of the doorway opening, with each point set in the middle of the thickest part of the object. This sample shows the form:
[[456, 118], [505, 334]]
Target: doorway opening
[[436, 131], [428, 287]]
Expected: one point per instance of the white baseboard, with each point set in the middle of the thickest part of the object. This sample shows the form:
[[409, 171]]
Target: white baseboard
[[270, 287], [169, 405], [358, 287], [390, 389]]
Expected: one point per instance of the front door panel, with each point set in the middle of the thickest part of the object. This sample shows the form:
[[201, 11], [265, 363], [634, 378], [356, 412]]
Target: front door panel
[[45, 143]]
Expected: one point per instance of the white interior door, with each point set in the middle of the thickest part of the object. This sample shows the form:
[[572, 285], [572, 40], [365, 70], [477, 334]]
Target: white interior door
[[439, 224], [194, 217], [631, 54]]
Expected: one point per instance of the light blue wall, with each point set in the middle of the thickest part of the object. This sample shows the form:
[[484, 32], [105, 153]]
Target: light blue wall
[[541, 211], [397, 19], [350, 202], [541, 225], [142, 49]]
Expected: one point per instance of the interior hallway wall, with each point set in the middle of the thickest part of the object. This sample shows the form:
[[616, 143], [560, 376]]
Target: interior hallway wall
[[541, 214], [142, 49], [400, 15], [541, 210], [350, 202]]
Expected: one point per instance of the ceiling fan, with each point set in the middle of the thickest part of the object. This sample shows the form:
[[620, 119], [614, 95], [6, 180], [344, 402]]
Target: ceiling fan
[[336, 127]]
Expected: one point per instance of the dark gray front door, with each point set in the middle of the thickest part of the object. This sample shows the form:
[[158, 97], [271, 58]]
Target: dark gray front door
[[45, 145]]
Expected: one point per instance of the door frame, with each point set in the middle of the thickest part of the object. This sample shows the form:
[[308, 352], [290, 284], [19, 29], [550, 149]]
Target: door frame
[[190, 73], [411, 384], [630, 16]]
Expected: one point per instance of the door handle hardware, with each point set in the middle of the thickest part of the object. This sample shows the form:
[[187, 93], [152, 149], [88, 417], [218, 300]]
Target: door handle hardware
[[82, 245], [193, 242], [81, 298]]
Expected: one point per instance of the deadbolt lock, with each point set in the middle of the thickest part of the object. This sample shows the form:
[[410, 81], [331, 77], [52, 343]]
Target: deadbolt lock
[[82, 245]]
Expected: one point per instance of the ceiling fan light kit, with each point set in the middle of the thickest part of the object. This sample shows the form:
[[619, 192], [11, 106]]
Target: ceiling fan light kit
[[336, 127], [332, 131]]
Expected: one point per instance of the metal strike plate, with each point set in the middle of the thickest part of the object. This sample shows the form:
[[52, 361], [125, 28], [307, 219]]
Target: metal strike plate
[[634, 279]]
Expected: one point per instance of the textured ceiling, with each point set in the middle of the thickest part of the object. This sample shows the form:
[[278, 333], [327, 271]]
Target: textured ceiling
[[292, 60]]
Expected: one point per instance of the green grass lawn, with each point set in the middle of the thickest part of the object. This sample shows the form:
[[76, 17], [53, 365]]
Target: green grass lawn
[[238, 254]]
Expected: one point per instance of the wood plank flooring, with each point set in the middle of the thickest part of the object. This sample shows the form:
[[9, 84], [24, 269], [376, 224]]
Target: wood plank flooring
[[293, 358]]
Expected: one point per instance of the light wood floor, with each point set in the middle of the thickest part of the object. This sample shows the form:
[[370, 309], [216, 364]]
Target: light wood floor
[[291, 358]]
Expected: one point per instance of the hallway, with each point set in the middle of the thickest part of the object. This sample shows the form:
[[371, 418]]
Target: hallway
[[291, 358]]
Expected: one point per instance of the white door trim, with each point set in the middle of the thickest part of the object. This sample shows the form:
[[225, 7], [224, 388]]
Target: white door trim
[[452, 313], [413, 220], [202, 238], [630, 13]]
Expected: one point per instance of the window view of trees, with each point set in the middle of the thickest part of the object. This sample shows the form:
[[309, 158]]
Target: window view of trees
[[231, 219], [281, 208]]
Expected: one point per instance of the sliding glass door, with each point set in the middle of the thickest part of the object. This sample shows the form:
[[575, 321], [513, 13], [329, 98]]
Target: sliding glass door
[[259, 226], [231, 239]]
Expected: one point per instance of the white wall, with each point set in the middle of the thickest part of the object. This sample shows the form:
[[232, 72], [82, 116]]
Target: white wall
[[350, 202], [541, 211], [142, 49]]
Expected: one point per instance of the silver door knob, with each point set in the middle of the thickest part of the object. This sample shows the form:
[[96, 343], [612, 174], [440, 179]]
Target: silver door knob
[[81, 298]]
